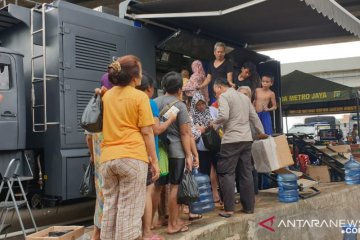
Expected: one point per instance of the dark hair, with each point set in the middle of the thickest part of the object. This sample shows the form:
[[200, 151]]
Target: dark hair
[[250, 66], [146, 82], [129, 69], [172, 82], [221, 82], [269, 75]]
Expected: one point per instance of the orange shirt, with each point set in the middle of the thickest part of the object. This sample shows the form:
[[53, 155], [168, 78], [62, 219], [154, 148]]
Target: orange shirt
[[126, 110]]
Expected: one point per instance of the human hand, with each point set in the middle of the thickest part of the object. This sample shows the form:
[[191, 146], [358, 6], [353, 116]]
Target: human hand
[[201, 129], [262, 136], [100, 91], [196, 161], [91, 159], [188, 163], [155, 170]]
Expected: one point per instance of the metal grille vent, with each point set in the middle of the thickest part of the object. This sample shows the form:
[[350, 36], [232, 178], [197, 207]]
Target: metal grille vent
[[82, 99], [92, 54]]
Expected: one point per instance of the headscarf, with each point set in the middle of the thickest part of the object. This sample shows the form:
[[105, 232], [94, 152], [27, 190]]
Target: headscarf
[[199, 118], [197, 68], [105, 81], [196, 79]]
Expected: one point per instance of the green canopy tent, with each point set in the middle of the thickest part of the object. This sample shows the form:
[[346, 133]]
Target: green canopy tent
[[305, 94]]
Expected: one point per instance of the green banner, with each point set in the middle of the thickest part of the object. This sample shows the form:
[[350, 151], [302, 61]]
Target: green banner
[[316, 97]]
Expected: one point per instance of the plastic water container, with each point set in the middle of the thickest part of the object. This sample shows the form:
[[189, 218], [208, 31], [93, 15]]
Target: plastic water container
[[206, 200], [288, 188], [352, 171]]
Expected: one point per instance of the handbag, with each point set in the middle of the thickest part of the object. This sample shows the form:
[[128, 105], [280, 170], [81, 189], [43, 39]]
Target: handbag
[[87, 186], [212, 140], [91, 119], [188, 191]]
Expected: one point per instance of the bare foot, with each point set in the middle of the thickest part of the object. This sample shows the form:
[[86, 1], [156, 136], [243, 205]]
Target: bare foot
[[96, 234], [177, 229]]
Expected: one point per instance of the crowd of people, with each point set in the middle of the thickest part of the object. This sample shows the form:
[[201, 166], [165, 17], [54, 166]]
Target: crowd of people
[[143, 150]]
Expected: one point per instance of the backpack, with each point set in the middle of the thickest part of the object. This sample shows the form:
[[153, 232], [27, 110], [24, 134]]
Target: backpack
[[163, 136]]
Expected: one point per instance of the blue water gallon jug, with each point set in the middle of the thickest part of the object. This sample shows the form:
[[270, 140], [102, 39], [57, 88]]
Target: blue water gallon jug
[[206, 200], [288, 188], [352, 171]]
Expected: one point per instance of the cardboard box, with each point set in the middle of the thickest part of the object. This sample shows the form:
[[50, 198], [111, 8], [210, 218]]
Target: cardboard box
[[319, 173], [355, 151], [271, 154], [340, 148], [75, 232]]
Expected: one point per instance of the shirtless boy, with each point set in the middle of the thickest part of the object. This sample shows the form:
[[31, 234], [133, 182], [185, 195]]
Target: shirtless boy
[[265, 102]]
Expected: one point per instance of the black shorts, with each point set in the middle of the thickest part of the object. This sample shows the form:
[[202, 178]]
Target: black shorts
[[176, 172], [149, 176]]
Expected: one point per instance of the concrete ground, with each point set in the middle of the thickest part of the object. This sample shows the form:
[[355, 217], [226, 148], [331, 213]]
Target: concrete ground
[[336, 204]]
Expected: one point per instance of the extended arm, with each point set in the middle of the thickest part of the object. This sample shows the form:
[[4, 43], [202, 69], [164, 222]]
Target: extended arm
[[206, 81], [185, 135], [148, 136], [160, 128]]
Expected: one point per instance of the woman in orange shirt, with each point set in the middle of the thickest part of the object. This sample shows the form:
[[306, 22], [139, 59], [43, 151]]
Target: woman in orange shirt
[[128, 143]]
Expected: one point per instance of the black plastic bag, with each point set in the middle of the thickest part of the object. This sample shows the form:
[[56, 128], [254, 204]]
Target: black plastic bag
[[212, 140], [87, 187], [188, 190]]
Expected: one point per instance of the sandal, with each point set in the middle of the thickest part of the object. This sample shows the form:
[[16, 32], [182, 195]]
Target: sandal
[[197, 216], [180, 230], [225, 215]]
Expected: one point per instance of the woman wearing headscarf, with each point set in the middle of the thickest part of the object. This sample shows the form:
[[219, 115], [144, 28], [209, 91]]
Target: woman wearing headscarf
[[196, 79], [201, 116]]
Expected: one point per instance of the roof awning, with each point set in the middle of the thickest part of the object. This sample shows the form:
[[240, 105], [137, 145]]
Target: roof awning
[[257, 23]]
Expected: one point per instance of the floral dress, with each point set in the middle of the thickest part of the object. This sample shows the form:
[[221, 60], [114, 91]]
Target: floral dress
[[97, 140]]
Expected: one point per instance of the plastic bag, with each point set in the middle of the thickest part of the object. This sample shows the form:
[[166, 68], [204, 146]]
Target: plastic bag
[[92, 117], [87, 187], [212, 140], [163, 160], [188, 190]]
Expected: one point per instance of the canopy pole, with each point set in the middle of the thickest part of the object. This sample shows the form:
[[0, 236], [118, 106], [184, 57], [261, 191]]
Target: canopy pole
[[195, 14]]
